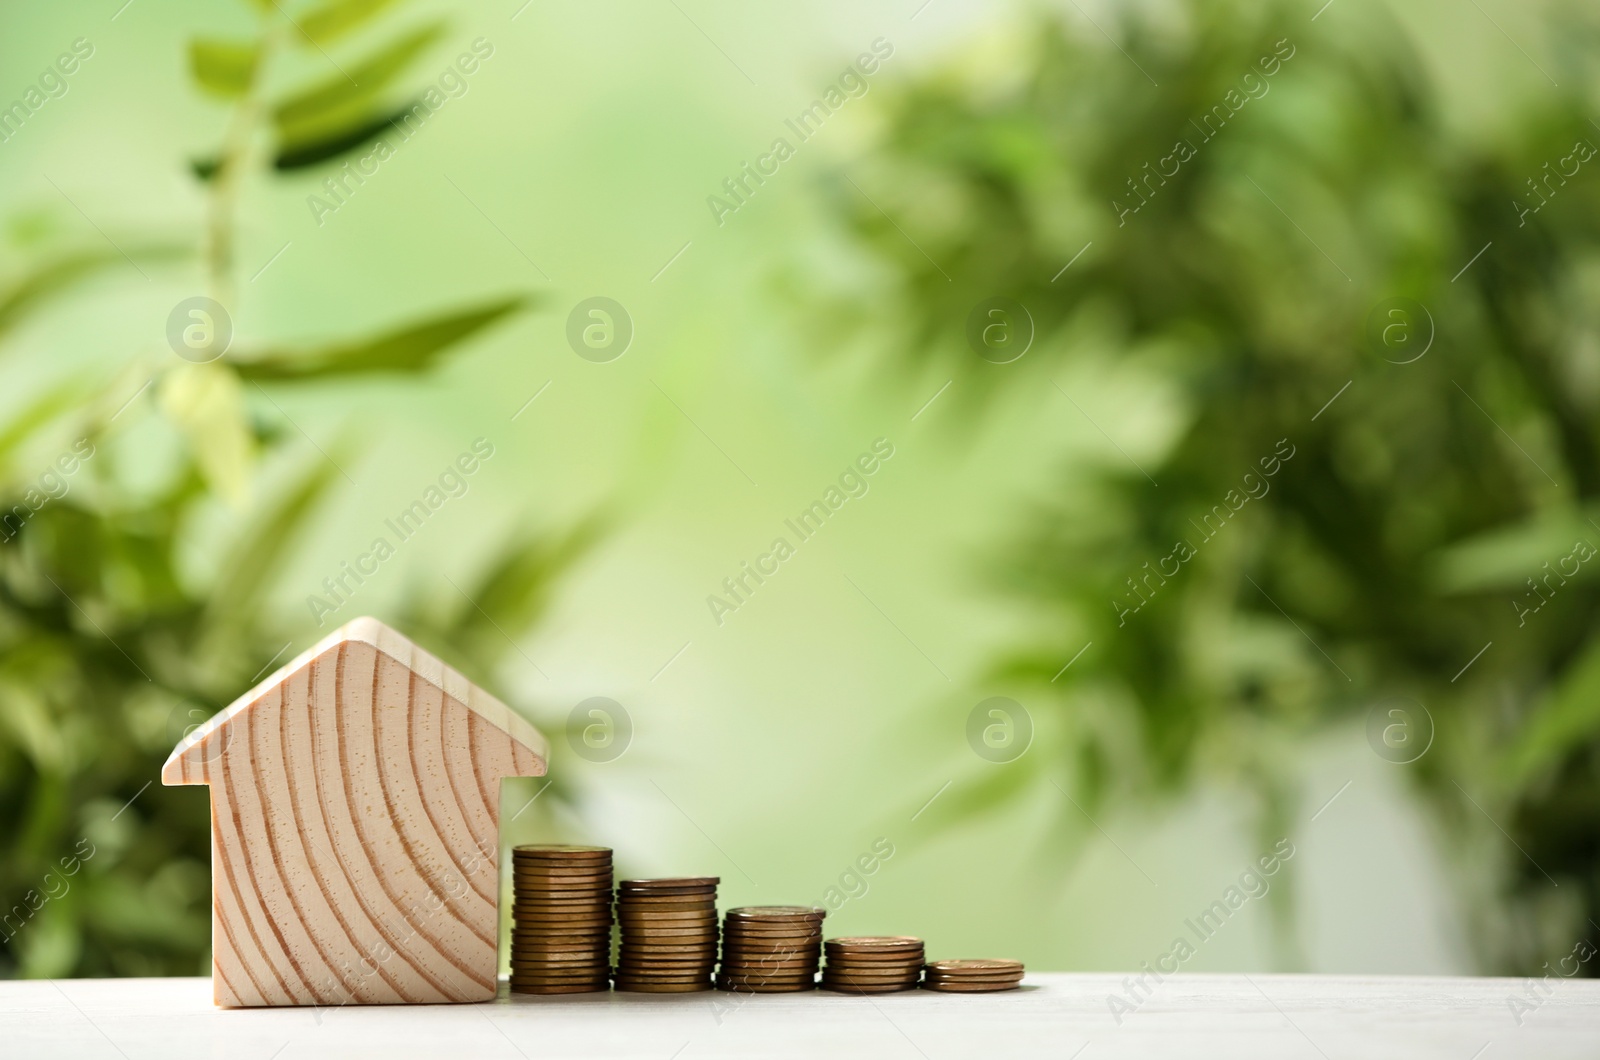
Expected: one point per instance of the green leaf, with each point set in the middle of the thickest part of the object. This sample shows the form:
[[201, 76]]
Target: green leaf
[[1505, 557], [303, 153], [207, 403], [56, 276], [349, 98], [331, 20], [254, 559], [223, 68], [1566, 721], [41, 411], [411, 348]]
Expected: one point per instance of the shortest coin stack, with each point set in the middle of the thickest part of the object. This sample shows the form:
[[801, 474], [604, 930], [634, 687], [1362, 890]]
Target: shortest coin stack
[[973, 977], [873, 965], [769, 949], [561, 919], [669, 934]]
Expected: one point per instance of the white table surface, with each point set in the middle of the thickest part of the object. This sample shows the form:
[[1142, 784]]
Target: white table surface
[[1063, 1016]]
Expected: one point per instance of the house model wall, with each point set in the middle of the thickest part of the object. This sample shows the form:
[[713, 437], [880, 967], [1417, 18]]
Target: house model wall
[[355, 827]]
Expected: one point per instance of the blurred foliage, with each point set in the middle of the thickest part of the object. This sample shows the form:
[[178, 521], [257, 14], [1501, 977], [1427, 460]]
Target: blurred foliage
[[1412, 525], [110, 651]]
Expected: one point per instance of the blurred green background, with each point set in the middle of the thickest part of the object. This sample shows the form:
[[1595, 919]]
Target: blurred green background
[[991, 154]]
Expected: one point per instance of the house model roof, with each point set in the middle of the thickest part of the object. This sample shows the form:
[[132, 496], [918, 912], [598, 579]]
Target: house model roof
[[188, 761]]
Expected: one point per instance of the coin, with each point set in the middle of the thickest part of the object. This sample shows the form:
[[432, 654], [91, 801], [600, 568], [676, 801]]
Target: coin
[[651, 987], [764, 988], [885, 946], [963, 967], [776, 912], [859, 977], [697, 882]]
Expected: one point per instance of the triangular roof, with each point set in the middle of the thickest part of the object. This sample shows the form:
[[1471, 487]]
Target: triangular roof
[[186, 764]]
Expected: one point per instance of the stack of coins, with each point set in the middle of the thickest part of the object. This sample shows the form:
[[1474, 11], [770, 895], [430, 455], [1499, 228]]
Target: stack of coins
[[561, 919], [873, 965], [973, 977], [770, 949], [669, 934]]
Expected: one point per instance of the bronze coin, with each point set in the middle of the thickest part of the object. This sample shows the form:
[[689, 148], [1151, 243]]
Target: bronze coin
[[777, 913], [550, 979], [971, 988], [559, 925], [672, 881], [633, 986], [856, 943], [737, 928], [985, 965], [559, 850], [846, 988], [626, 981], [535, 871], [703, 967], [876, 960], [765, 988], [762, 953], [704, 908], [586, 988], [648, 916], [642, 932], [854, 977]]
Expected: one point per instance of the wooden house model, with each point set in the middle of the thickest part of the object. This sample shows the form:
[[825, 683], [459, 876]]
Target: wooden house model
[[355, 827]]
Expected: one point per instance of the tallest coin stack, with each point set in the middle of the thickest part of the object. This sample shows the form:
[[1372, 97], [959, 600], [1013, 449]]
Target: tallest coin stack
[[561, 919]]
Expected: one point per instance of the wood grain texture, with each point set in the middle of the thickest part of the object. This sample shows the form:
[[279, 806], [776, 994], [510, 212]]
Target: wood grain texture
[[355, 827]]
